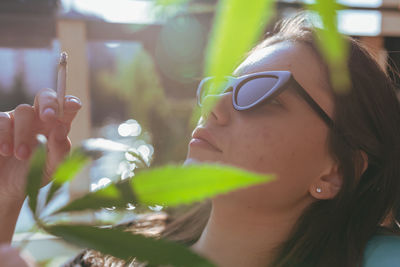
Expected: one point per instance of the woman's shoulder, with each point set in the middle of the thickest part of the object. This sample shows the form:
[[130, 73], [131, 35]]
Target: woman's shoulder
[[382, 251]]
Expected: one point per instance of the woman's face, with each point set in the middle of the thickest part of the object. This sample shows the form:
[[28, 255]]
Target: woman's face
[[286, 138]]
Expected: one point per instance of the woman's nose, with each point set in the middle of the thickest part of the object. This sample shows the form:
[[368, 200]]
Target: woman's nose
[[218, 108]]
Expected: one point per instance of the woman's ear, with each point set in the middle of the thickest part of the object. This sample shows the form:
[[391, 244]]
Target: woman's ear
[[328, 185]]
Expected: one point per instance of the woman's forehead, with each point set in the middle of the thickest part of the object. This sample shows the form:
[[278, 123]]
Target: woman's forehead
[[295, 57], [267, 58]]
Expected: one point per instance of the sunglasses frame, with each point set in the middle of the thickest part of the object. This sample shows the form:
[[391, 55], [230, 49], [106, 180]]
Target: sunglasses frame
[[285, 80]]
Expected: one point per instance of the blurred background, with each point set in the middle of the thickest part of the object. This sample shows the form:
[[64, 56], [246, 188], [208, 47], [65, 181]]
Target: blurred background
[[135, 65]]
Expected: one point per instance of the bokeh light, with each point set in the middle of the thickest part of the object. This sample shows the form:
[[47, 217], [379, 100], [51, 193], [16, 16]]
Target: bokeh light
[[129, 128], [103, 182], [360, 22]]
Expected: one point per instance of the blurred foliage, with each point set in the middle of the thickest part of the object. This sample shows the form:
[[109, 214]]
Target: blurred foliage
[[106, 103], [137, 85], [67, 171], [138, 82], [332, 44], [169, 185], [35, 176], [130, 246], [238, 26]]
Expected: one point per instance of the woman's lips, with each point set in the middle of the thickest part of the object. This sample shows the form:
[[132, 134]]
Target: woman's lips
[[203, 144], [202, 138]]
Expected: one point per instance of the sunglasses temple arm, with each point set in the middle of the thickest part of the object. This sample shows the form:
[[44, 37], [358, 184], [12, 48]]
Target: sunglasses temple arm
[[316, 107]]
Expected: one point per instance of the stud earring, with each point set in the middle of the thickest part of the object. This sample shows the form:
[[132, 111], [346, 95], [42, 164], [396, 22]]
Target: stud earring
[[319, 190]]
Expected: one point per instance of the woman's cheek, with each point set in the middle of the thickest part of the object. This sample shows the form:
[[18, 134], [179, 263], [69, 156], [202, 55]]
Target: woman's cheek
[[254, 154]]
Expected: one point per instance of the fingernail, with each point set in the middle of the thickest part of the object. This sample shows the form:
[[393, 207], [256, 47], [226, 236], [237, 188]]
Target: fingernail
[[6, 149], [74, 100], [60, 133], [23, 152], [49, 112]]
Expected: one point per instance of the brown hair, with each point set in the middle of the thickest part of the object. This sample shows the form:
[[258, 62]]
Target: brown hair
[[335, 232]]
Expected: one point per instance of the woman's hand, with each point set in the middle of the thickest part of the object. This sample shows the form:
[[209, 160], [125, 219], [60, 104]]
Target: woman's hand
[[10, 257], [18, 131]]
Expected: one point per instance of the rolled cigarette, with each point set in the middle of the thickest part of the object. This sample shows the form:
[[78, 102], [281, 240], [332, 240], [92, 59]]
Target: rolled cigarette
[[61, 83]]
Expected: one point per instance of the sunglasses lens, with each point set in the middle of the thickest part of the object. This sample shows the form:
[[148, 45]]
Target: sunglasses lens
[[252, 90]]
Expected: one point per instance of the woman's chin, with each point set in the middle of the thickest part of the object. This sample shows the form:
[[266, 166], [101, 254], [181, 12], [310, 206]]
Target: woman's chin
[[197, 159], [190, 161]]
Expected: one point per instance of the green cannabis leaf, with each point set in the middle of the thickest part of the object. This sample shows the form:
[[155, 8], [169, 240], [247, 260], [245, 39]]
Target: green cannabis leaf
[[35, 176], [126, 246], [169, 185], [66, 171]]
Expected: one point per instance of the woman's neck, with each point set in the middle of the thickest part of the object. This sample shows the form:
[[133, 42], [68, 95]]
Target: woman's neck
[[242, 236]]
